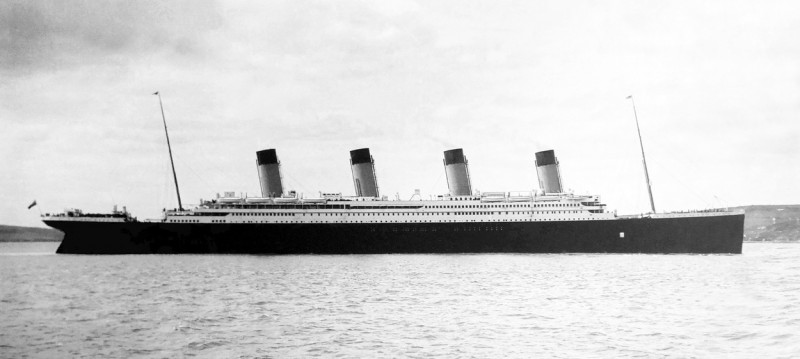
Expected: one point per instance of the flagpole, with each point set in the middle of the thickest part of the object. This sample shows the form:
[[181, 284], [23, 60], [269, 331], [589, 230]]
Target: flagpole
[[644, 161], [169, 147]]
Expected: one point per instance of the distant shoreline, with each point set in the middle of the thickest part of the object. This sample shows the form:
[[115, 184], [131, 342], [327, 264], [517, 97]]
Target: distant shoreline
[[29, 234], [790, 241], [772, 223], [4, 240]]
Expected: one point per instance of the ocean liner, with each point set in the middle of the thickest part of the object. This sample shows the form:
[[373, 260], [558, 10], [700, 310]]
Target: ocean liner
[[549, 220]]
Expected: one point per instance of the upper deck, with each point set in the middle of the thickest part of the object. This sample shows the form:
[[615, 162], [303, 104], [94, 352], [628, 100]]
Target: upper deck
[[488, 207]]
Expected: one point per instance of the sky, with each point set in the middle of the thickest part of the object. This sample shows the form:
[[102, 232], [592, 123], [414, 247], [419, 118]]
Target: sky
[[716, 86]]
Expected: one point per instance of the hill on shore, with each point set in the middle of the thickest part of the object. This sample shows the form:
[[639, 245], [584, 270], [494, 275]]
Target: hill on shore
[[772, 223], [29, 234]]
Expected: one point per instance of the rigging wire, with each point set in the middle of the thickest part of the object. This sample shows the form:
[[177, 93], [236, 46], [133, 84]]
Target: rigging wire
[[438, 179], [302, 187], [669, 170]]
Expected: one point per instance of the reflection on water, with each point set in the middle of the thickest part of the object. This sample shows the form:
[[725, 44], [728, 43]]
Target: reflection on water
[[492, 305]]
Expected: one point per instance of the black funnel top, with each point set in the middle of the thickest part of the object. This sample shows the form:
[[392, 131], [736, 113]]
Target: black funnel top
[[265, 157], [360, 155], [545, 158], [454, 156]]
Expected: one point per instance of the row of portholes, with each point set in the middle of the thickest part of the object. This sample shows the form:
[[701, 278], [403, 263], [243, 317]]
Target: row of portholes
[[535, 205], [387, 214], [431, 221], [398, 214]]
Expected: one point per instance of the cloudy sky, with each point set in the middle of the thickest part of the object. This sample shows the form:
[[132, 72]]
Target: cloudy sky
[[716, 84]]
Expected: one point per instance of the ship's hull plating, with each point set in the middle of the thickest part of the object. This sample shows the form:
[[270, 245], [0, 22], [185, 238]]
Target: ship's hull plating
[[711, 234]]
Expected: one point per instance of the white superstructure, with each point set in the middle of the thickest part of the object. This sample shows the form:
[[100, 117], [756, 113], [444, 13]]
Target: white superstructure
[[488, 207]]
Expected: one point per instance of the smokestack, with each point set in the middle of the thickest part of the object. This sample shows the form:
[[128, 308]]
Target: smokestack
[[548, 172], [457, 172], [363, 167], [269, 173]]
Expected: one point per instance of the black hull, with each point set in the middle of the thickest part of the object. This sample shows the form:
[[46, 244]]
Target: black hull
[[711, 234]]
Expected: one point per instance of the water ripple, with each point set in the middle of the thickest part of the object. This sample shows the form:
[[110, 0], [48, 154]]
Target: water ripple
[[492, 305]]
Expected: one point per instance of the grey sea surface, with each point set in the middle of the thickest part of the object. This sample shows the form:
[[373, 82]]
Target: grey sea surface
[[471, 305]]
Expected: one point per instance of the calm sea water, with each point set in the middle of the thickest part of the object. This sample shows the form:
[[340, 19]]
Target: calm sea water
[[481, 306]]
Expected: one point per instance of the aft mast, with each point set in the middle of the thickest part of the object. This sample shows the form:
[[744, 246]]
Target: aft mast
[[174, 176], [644, 161]]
